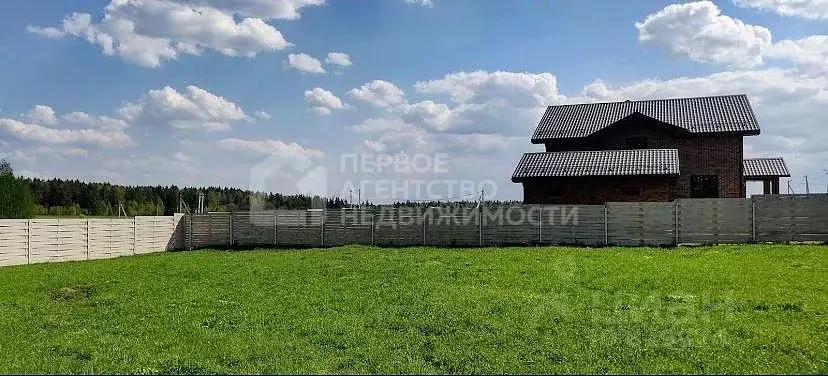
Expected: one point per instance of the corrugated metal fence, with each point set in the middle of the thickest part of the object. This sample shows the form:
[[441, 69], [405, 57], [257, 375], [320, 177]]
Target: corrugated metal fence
[[700, 221]]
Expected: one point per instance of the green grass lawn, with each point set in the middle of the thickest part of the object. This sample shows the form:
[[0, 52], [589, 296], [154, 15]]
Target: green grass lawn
[[745, 309]]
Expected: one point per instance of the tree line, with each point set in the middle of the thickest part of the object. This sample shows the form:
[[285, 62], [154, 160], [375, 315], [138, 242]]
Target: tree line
[[23, 197]]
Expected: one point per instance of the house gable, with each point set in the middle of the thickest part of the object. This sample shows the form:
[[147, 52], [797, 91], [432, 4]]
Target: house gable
[[636, 131]]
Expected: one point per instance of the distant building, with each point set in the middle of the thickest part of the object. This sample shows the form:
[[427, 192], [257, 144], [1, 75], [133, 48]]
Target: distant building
[[653, 150]]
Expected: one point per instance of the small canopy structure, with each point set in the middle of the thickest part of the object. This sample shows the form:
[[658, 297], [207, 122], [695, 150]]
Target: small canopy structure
[[766, 170]]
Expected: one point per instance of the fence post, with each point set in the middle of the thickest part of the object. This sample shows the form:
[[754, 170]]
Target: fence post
[[275, 228], [540, 226], [676, 220], [109, 238], [87, 238], [29, 241], [57, 233], [753, 218], [135, 233], [425, 213], [480, 222], [324, 216], [606, 225], [230, 227], [210, 229]]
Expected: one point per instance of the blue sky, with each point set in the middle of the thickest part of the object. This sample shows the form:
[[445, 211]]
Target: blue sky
[[464, 79]]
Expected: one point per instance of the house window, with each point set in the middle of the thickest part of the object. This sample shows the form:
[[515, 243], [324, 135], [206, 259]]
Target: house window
[[704, 186], [636, 143]]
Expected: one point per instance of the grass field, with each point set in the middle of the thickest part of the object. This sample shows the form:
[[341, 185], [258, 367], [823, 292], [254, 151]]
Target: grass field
[[745, 309]]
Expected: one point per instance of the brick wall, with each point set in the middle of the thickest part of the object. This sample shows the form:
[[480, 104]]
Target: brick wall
[[717, 154], [596, 190]]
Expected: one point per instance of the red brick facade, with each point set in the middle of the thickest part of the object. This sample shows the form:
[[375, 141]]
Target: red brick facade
[[718, 155]]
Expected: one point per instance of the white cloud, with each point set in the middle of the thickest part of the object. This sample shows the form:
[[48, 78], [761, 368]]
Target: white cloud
[[47, 32], [424, 3], [305, 63], [699, 31], [514, 88], [149, 32], [486, 110], [262, 115], [338, 58], [181, 157], [267, 9], [41, 114], [810, 52], [49, 135], [323, 101], [810, 9], [194, 109], [82, 119], [267, 146], [379, 93]]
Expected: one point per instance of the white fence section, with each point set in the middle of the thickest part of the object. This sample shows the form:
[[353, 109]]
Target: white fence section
[[29, 241]]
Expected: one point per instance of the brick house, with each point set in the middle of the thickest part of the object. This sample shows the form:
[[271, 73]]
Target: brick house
[[653, 150]]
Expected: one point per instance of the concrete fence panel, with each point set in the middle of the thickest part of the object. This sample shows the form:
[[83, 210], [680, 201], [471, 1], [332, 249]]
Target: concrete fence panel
[[791, 218], [511, 225], [640, 223], [25, 241], [714, 221], [399, 227]]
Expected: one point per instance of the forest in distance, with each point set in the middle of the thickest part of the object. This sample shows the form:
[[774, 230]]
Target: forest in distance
[[36, 197]]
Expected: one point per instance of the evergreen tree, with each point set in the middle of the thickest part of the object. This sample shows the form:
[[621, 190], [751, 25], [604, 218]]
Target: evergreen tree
[[16, 200]]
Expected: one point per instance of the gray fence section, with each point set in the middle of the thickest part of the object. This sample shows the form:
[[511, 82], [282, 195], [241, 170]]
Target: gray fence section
[[698, 221]]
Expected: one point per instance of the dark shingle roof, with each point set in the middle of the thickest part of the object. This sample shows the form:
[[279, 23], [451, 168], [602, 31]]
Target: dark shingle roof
[[598, 163], [730, 113], [758, 167]]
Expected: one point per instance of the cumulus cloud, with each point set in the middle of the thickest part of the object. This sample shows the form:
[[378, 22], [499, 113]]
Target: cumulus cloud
[[267, 9], [810, 52], [699, 31], [515, 88], [379, 93], [323, 101], [191, 109], [305, 63], [274, 147], [338, 58], [149, 32], [41, 125], [485, 110], [41, 114], [809, 9]]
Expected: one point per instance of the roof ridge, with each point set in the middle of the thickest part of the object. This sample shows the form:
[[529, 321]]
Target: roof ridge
[[595, 151], [650, 100]]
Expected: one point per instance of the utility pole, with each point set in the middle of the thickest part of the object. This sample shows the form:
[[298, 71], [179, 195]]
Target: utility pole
[[351, 197], [359, 196]]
